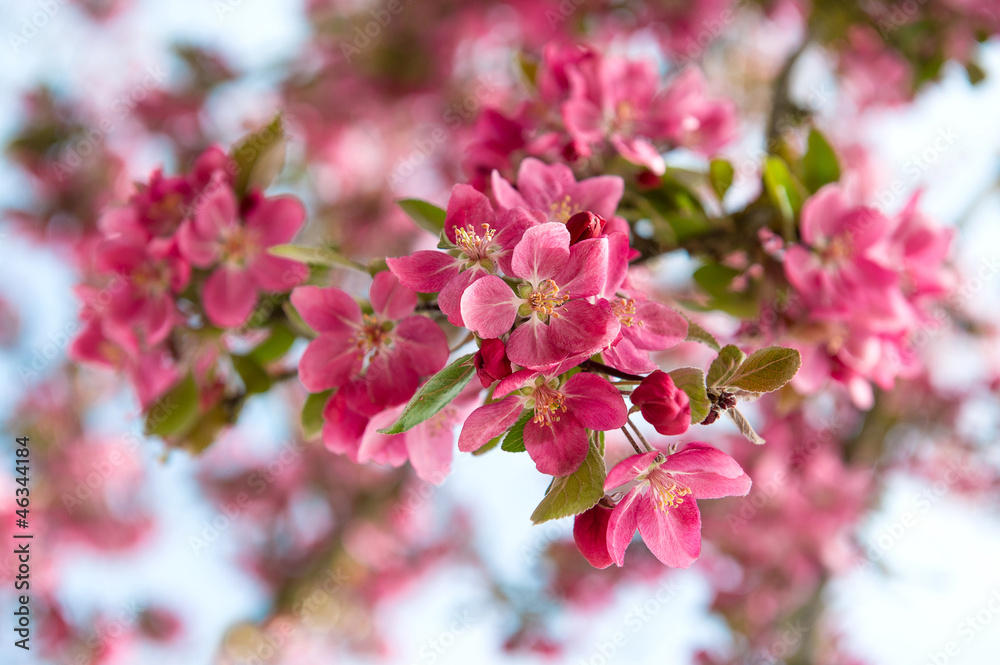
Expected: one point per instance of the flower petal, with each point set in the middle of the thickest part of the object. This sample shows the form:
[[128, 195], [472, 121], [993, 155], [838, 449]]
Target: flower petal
[[216, 213], [628, 470], [391, 300], [277, 274], [489, 307], [328, 362], [342, 427], [627, 358], [276, 220], [640, 151], [389, 379], [382, 448], [422, 344], [532, 345], [542, 253], [707, 471], [425, 271], [327, 310], [229, 297], [655, 327], [595, 402], [557, 449], [467, 207], [672, 535], [586, 271], [489, 421], [450, 297], [504, 193], [583, 328], [622, 525], [429, 446]]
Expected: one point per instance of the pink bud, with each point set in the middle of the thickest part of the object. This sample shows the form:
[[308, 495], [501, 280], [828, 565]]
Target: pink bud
[[584, 226], [664, 406], [590, 531], [491, 362]]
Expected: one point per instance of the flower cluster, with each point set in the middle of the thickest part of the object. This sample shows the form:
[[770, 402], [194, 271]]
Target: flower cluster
[[540, 275], [373, 361], [593, 106], [868, 280], [184, 251]]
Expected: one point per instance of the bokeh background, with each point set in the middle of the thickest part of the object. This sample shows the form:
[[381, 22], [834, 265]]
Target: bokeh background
[[162, 571]]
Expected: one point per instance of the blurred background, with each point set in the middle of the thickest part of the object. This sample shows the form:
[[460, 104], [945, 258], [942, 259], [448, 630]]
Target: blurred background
[[267, 548]]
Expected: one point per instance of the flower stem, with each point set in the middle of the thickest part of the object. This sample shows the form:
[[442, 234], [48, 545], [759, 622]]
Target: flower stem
[[635, 445], [645, 443]]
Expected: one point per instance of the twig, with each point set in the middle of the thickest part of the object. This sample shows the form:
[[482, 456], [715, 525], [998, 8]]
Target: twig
[[594, 366], [782, 104]]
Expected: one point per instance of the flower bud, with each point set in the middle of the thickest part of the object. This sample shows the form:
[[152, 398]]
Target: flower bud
[[664, 406], [491, 362], [583, 226], [590, 532]]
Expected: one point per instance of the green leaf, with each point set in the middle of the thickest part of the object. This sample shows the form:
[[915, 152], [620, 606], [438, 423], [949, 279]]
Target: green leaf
[[692, 381], [259, 157], [819, 165], [207, 429], [317, 256], [698, 334], [786, 193], [275, 346], [745, 428], [434, 395], [720, 173], [312, 413], [725, 366], [296, 322], [575, 493], [514, 441], [427, 215], [255, 378], [715, 279], [174, 412], [767, 370]]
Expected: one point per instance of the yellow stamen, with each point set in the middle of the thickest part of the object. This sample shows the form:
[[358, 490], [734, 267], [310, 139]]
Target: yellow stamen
[[545, 299]]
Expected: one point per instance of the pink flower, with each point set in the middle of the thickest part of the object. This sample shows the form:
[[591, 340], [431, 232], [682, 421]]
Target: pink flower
[[555, 437], [874, 74], [646, 326], [428, 446], [662, 404], [141, 311], [392, 347], [215, 237], [692, 120], [919, 247], [836, 272], [553, 190], [484, 240], [621, 106], [661, 504], [151, 373], [554, 321]]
